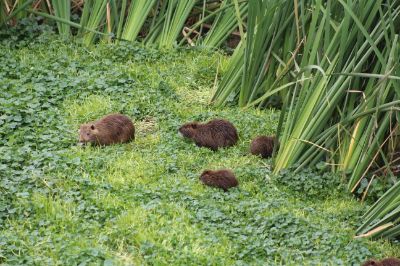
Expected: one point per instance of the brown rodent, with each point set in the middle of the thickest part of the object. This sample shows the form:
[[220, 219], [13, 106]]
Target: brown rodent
[[262, 145], [224, 179], [384, 262], [215, 134], [111, 129]]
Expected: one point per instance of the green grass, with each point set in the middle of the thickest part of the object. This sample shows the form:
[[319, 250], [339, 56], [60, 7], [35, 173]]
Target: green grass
[[142, 203]]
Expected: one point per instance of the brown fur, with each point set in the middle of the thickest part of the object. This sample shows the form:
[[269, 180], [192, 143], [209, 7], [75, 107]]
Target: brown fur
[[262, 145], [384, 262], [111, 129], [372, 263], [224, 179], [215, 134]]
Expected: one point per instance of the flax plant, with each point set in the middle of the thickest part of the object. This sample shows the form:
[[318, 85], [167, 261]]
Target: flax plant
[[62, 9], [259, 65], [315, 105], [224, 24], [138, 13], [93, 15], [169, 23], [382, 219], [344, 115]]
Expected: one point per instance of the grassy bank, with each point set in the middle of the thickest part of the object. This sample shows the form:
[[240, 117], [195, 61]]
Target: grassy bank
[[142, 203]]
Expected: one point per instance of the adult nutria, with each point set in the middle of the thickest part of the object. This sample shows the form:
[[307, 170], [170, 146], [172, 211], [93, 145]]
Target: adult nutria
[[224, 179], [262, 145], [111, 129], [215, 134], [384, 262]]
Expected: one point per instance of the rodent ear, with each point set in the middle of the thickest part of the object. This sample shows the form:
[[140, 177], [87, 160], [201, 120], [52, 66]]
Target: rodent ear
[[206, 172], [194, 125], [92, 127]]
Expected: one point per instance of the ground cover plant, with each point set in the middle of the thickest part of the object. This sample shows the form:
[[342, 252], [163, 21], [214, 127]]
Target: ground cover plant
[[142, 203], [331, 66]]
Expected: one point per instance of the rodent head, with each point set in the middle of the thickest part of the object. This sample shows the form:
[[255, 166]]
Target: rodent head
[[88, 133], [188, 130], [372, 263], [205, 174]]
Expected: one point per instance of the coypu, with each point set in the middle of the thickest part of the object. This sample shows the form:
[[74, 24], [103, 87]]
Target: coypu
[[215, 134], [224, 179], [384, 262], [262, 145], [111, 129]]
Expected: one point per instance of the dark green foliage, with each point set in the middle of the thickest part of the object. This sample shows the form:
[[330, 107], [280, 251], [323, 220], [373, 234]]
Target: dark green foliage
[[142, 203], [309, 183], [26, 31], [376, 189]]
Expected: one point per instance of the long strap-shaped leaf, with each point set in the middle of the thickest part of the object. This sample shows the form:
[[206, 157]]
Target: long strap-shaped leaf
[[138, 13], [62, 9]]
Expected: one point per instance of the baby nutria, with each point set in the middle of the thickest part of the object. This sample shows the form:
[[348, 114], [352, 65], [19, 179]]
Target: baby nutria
[[111, 129], [214, 134], [262, 145], [224, 179], [384, 262]]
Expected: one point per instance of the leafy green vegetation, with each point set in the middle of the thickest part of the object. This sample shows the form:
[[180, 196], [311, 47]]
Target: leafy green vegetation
[[142, 203], [309, 183], [225, 22], [335, 65], [159, 23]]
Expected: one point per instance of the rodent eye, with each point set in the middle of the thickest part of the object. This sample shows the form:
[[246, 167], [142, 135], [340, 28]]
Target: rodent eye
[[87, 134]]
